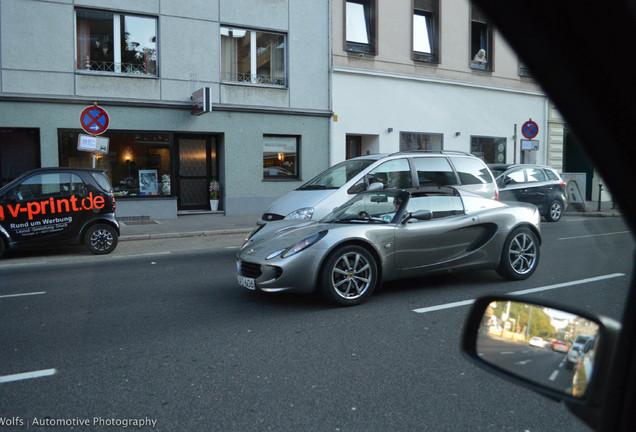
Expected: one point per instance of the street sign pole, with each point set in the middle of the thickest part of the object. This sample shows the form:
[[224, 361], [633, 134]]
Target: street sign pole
[[94, 120]]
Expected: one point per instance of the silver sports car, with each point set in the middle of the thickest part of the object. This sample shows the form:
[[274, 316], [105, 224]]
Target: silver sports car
[[386, 235]]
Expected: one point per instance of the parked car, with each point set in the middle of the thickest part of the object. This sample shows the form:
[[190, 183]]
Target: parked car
[[596, 99], [536, 184], [391, 234], [560, 346], [333, 187], [50, 206], [575, 351]]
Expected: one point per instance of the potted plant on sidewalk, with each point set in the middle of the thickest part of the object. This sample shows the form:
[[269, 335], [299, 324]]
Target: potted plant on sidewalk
[[215, 191]]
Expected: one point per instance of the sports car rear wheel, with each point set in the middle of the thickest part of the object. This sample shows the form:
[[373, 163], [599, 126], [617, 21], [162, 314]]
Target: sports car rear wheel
[[520, 255], [349, 276]]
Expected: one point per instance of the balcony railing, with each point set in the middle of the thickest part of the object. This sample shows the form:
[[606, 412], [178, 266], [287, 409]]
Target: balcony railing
[[148, 68], [254, 79]]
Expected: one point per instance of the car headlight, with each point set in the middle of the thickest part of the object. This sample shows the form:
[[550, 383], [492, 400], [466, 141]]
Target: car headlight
[[300, 246], [303, 213]]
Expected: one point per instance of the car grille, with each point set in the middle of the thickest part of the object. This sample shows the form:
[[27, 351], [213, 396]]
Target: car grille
[[250, 270], [272, 217]]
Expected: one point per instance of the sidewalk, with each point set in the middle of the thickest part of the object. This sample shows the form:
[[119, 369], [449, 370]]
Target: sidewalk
[[203, 224], [188, 225]]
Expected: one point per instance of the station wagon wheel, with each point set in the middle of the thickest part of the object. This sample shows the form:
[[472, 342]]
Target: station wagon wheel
[[101, 239], [349, 276], [555, 211], [520, 255]]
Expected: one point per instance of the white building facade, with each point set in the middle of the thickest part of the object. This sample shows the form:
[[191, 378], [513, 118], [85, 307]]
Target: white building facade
[[406, 77]]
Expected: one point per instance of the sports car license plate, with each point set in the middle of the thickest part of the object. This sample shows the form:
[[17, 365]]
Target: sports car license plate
[[246, 282]]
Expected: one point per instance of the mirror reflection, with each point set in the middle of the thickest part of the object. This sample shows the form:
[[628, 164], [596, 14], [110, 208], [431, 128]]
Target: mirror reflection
[[547, 346]]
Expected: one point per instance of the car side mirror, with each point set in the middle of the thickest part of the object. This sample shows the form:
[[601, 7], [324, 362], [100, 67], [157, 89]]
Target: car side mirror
[[375, 186], [496, 336]]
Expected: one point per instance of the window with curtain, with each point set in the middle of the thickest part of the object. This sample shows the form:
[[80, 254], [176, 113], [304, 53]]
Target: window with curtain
[[426, 30], [481, 46], [360, 26], [254, 57], [117, 43]]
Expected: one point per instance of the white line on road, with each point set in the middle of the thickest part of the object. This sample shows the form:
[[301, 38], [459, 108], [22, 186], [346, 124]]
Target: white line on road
[[27, 375], [594, 235], [24, 294], [554, 375], [522, 292]]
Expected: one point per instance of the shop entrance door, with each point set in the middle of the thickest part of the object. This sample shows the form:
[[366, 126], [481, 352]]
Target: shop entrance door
[[196, 166]]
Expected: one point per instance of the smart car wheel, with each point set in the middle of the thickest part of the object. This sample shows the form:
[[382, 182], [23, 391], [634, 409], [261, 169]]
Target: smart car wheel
[[555, 211], [349, 276], [101, 239], [520, 255]]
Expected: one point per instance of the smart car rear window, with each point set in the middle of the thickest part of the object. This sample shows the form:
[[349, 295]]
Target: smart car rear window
[[102, 181]]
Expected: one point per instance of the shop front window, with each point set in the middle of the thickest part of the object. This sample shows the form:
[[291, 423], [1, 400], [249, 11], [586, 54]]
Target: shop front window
[[138, 164], [280, 157], [420, 141], [489, 149]]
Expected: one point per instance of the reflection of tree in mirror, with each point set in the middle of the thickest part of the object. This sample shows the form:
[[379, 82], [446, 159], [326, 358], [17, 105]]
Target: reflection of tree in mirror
[[515, 317]]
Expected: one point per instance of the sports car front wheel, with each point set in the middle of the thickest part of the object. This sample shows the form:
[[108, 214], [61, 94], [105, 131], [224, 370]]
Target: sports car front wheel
[[349, 275], [520, 255]]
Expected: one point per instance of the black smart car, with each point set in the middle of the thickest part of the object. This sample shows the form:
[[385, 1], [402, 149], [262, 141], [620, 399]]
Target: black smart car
[[59, 205], [535, 184]]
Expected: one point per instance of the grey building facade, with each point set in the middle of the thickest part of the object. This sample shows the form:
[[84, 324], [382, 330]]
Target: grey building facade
[[263, 65]]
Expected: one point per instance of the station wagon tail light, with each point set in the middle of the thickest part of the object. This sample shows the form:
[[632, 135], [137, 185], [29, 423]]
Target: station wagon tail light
[[563, 184], [496, 194], [112, 197]]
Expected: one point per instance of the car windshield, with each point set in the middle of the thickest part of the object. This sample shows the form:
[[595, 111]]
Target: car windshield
[[377, 207], [336, 176]]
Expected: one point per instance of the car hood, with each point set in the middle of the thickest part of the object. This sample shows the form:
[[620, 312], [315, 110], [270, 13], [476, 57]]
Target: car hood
[[280, 235], [298, 199]]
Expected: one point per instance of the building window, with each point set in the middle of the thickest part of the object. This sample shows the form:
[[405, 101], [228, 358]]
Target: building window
[[280, 157], [480, 41], [489, 149], [112, 42], [360, 26], [421, 141], [253, 57], [138, 163], [426, 31], [524, 71]]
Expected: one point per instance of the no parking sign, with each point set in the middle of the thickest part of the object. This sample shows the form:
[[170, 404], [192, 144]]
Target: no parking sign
[[94, 120]]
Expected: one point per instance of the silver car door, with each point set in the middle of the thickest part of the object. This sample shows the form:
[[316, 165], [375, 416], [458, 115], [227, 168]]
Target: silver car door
[[445, 237]]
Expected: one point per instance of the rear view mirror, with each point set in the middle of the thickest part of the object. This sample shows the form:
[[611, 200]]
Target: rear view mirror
[[531, 344]]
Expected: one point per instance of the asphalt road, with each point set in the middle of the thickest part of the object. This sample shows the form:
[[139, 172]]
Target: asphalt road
[[160, 332]]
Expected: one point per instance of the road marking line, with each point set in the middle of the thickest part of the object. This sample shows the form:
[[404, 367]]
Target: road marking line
[[522, 292], [27, 375], [567, 284], [554, 375], [594, 235], [24, 294]]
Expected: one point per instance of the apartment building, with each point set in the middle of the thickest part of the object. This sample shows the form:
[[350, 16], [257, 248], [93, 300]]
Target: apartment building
[[431, 75], [229, 90]]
